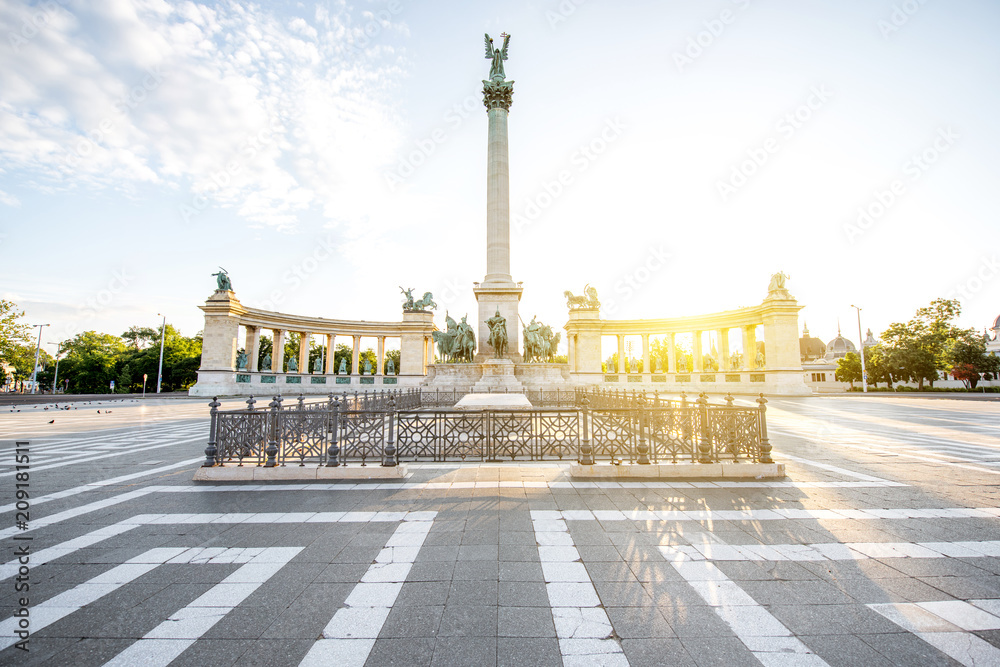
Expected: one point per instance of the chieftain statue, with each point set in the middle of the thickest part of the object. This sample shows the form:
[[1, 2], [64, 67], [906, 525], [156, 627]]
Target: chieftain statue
[[458, 342], [265, 365], [498, 335], [293, 365], [539, 342], [222, 280], [343, 367], [241, 360]]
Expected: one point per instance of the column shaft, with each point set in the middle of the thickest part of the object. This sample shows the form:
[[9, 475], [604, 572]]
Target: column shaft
[[671, 353], [278, 351], [355, 356], [697, 360], [330, 338], [380, 369]]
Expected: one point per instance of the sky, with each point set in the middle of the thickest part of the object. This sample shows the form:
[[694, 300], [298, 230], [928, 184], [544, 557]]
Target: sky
[[672, 154]]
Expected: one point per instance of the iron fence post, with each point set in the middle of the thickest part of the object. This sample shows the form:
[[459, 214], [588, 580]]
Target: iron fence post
[[765, 445], [333, 453], [389, 458], [586, 448], [250, 403], [705, 445], [211, 451], [272, 444], [643, 443], [731, 444]]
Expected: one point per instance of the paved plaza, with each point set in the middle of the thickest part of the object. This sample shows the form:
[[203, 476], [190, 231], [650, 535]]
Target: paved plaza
[[881, 547]]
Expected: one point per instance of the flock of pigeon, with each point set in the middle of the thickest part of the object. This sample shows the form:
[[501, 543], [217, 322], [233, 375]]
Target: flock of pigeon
[[56, 406]]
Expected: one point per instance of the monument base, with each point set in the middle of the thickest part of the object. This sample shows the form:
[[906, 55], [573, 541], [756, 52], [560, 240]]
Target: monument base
[[475, 402], [498, 376]]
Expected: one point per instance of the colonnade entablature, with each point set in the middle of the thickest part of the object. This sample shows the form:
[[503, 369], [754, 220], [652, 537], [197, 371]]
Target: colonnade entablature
[[768, 357], [230, 326]]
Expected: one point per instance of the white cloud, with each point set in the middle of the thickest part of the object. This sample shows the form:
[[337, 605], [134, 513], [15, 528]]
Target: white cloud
[[267, 115], [9, 199]]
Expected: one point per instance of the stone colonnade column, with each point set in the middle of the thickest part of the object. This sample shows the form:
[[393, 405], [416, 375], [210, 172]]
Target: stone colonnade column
[[697, 360], [749, 347], [570, 352], [355, 356], [278, 351], [672, 353], [646, 369], [622, 365], [252, 348], [330, 370], [304, 352], [380, 369], [723, 349]]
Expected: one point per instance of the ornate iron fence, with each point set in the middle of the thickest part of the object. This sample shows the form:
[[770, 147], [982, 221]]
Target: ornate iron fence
[[409, 425]]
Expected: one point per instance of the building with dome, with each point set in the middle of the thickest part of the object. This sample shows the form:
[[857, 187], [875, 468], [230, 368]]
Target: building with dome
[[839, 347]]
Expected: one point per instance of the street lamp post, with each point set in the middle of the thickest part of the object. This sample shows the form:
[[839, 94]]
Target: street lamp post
[[38, 347], [159, 372], [861, 350], [55, 378]]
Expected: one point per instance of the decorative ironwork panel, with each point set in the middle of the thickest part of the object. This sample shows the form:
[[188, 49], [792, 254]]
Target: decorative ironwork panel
[[557, 434], [735, 433], [416, 436], [511, 435], [242, 436], [614, 433], [672, 435], [302, 434], [362, 436], [462, 435]]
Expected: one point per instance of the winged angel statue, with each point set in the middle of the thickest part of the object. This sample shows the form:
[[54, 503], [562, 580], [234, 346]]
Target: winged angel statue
[[497, 56]]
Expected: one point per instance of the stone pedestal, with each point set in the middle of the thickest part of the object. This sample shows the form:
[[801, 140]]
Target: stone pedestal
[[498, 376], [503, 296]]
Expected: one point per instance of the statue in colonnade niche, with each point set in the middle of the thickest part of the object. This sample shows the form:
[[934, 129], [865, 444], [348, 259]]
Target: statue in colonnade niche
[[318, 365], [241, 360], [736, 361], [222, 280], [709, 363], [293, 365], [343, 367], [368, 366], [760, 360], [390, 367], [265, 364]]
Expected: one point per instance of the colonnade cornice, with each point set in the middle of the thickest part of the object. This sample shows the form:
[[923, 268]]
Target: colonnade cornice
[[320, 325]]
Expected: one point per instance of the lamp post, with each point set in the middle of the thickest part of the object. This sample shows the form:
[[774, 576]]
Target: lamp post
[[55, 378], [861, 350], [38, 347], [159, 372]]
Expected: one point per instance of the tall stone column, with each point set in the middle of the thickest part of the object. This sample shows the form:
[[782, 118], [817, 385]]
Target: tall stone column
[[646, 368], [749, 347], [380, 356], [498, 291], [622, 361]]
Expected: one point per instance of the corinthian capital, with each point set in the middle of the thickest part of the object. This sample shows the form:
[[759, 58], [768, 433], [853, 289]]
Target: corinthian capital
[[497, 94]]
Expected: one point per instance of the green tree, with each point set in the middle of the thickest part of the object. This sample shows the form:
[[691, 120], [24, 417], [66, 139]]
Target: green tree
[[968, 359], [140, 337], [918, 349], [849, 369], [91, 360], [12, 332]]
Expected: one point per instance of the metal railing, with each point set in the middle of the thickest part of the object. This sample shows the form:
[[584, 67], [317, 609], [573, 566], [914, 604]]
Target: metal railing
[[396, 426]]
